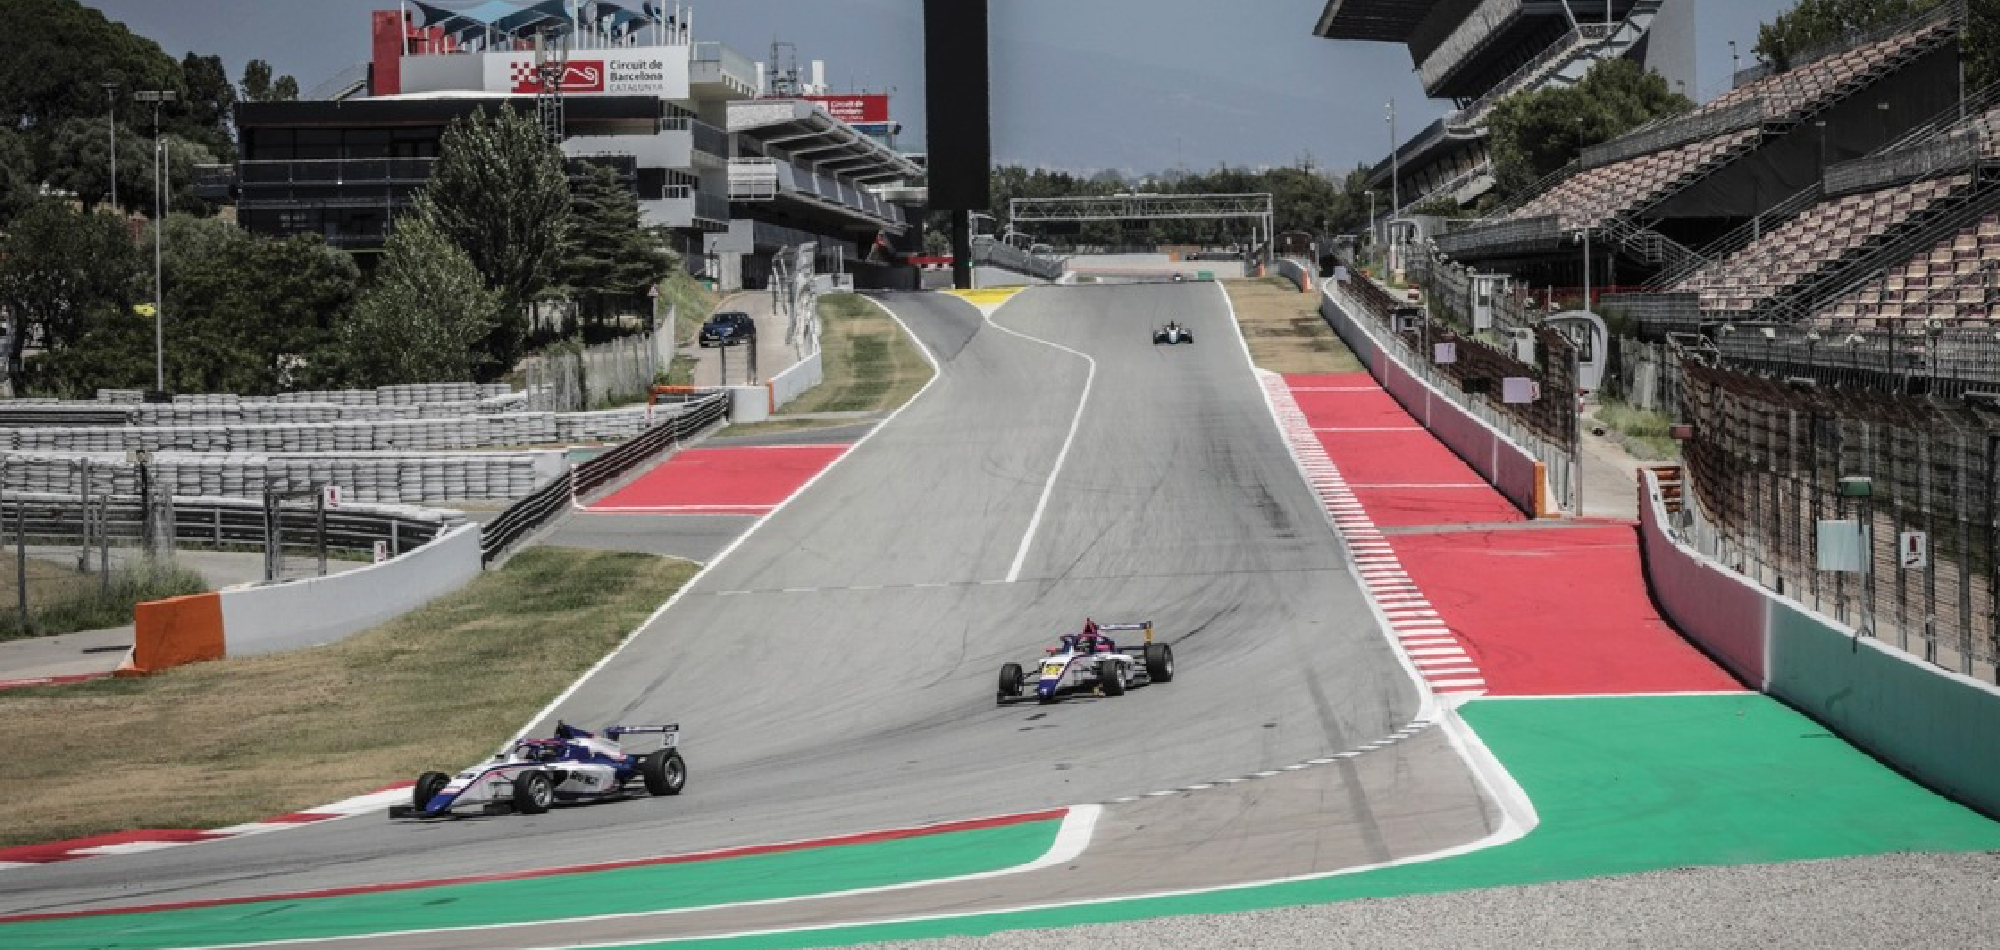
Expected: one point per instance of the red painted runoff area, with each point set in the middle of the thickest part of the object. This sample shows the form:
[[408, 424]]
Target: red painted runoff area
[[732, 481], [1401, 474], [1555, 611]]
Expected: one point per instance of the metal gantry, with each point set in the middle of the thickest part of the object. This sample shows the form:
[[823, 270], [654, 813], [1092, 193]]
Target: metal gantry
[[1146, 207]]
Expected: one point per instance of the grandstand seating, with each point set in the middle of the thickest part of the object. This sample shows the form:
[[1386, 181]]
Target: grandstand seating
[[1809, 86], [1812, 242], [1587, 198], [1956, 281]]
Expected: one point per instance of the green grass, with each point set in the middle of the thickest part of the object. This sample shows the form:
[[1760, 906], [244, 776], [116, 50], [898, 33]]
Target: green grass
[[241, 740], [694, 301], [62, 599], [869, 364], [1643, 432]]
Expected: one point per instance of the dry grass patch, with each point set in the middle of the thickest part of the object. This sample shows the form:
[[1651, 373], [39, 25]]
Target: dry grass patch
[[870, 366], [1284, 329], [241, 740]]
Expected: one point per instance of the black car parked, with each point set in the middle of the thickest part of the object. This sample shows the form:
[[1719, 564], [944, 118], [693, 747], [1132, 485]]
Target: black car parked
[[728, 328]]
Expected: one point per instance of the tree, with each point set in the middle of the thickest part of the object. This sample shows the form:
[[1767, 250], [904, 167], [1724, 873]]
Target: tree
[[17, 176], [211, 104], [248, 314], [1535, 133], [258, 86], [420, 319], [59, 52], [499, 193], [61, 270], [607, 255]]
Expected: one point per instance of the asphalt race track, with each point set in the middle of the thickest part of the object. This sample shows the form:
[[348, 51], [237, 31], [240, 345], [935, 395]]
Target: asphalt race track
[[834, 671]]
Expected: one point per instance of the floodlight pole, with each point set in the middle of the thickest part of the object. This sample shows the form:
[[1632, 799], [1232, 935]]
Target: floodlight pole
[[156, 97], [111, 119]]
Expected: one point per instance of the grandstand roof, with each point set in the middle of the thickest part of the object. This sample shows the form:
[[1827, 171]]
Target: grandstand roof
[[803, 127], [515, 18], [1386, 20]]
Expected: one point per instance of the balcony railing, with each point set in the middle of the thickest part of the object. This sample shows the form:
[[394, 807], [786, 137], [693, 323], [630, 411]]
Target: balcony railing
[[708, 139], [369, 171], [717, 63]]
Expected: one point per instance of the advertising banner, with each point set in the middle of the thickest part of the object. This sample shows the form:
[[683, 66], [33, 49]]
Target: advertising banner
[[639, 71]]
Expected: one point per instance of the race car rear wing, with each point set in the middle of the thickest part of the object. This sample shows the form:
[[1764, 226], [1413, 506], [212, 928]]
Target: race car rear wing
[[1146, 625], [613, 732]]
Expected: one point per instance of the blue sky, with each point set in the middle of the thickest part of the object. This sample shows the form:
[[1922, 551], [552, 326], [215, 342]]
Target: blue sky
[[1140, 85]]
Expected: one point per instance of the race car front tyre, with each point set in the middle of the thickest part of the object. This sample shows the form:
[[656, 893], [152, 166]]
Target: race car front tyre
[[1159, 662], [1011, 679], [533, 792], [664, 771], [1111, 679], [427, 787]]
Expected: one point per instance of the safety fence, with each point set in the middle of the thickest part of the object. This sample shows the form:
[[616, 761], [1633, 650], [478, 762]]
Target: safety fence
[[1461, 401], [1786, 475], [531, 512]]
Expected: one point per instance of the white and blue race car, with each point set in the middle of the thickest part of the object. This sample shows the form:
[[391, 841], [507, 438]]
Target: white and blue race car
[[574, 767], [1090, 662]]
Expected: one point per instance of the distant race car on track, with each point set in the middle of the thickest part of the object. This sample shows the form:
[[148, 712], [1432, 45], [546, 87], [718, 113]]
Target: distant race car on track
[[1173, 332], [1090, 662], [573, 767]]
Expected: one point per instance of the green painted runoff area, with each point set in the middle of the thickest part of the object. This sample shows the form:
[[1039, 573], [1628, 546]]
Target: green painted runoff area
[[555, 897], [1622, 785]]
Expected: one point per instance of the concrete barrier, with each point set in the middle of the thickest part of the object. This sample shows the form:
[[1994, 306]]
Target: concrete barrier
[[1298, 272], [1505, 464], [270, 618], [1718, 609], [175, 632], [793, 382], [1940, 727]]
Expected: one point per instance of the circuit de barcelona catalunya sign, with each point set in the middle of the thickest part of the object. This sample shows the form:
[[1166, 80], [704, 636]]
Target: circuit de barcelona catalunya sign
[[637, 71]]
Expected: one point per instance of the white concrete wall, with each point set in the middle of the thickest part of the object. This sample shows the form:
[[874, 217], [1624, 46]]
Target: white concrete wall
[[788, 385], [272, 618]]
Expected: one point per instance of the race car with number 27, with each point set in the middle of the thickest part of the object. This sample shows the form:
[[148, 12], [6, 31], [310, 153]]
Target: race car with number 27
[[1090, 662]]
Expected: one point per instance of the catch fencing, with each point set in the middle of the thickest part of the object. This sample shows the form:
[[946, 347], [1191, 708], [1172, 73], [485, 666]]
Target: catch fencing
[[1768, 458]]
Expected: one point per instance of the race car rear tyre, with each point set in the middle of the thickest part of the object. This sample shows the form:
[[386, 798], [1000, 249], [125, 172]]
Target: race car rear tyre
[[664, 771], [1011, 679], [1111, 679], [1159, 662], [533, 792], [427, 787]]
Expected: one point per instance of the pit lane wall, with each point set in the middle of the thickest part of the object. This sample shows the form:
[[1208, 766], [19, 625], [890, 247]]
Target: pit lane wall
[[269, 618], [1940, 727], [1505, 464]]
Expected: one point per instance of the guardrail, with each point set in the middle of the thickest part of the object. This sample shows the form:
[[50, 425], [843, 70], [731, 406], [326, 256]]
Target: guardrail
[[1919, 161], [1677, 131], [52, 518], [537, 507], [1525, 234]]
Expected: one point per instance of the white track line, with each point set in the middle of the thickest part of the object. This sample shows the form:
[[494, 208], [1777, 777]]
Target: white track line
[[1075, 422], [1078, 824], [563, 697]]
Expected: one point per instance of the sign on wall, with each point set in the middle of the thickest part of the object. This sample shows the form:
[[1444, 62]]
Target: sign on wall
[[640, 71], [862, 109]]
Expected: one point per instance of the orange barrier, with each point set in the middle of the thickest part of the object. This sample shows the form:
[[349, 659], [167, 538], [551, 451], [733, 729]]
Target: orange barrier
[[175, 632], [1542, 509]]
